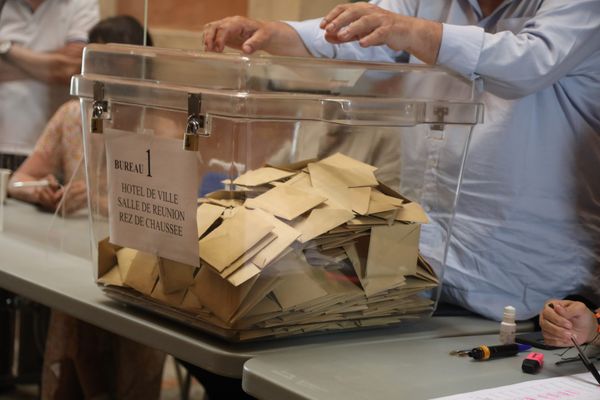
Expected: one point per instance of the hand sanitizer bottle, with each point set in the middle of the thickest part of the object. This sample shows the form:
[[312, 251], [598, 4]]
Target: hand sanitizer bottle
[[508, 328]]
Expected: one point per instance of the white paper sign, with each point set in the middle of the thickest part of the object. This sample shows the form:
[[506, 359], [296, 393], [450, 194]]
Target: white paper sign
[[573, 387], [152, 199]]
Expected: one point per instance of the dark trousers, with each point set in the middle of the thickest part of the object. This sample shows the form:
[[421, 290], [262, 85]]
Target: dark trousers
[[7, 329], [217, 387], [20, 320], [26, 322], [11, 161]]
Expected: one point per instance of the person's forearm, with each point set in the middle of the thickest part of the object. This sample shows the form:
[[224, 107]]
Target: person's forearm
[[72, 49], [555, 42], [286, 41], [425, 39], [45, 67], [10, 73]]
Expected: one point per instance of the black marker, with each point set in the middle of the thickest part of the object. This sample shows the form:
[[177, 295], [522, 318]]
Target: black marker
[[483, 353]]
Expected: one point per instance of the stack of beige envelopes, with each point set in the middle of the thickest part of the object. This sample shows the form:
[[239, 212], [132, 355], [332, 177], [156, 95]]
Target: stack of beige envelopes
[[314, 246]]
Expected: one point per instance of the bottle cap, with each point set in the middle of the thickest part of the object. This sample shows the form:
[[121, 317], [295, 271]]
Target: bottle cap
[[509, 314]]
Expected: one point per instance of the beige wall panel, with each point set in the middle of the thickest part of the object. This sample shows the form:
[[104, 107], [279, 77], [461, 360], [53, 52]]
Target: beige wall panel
[[181, 14], [177, 39], [177, 23], [315, 9], [290, 9], [107, 8], [274, 9]]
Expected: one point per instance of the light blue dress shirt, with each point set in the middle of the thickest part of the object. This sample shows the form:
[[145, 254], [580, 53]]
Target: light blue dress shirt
[[527, 224]]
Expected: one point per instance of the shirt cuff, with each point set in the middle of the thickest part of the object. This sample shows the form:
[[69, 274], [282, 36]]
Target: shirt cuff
[[460, 49], [313, 37]]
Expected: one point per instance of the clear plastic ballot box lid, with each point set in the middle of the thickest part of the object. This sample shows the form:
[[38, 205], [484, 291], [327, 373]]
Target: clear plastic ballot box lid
[[261, 197]]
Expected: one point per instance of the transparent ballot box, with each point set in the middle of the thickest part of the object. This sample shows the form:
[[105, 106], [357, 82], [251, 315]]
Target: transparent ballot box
[[261, 197]]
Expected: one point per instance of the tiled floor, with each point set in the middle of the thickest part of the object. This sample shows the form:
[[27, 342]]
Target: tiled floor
[[170, 387]]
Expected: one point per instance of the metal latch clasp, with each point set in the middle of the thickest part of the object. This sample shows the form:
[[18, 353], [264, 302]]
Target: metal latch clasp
[[195, 123], [99, 109], [440, 113]]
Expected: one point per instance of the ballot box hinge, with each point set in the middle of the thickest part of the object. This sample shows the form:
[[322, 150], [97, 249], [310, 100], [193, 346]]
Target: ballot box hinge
[[195, 123], [100, 110]]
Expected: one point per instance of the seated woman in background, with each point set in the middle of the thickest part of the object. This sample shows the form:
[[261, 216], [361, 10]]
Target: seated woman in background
[[58, 154], [56, 158], [82, 361]]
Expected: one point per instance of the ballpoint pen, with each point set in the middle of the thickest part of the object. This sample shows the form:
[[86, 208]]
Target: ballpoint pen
[[588, 364], [25, 184], [575, 359]]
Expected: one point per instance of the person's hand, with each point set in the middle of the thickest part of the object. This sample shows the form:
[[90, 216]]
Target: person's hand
[[74, 197], [49, 67], [250, 35], [48, 197], [238, 32], [567, 319], [371, 25], [73, 49]]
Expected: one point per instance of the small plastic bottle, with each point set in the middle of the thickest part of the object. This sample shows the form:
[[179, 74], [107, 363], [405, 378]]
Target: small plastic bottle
[[508, 328]]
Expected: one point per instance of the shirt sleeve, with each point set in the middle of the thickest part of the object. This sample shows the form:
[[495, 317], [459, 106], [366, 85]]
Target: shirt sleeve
[[314, 38], [548, 46], [84, 16]]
